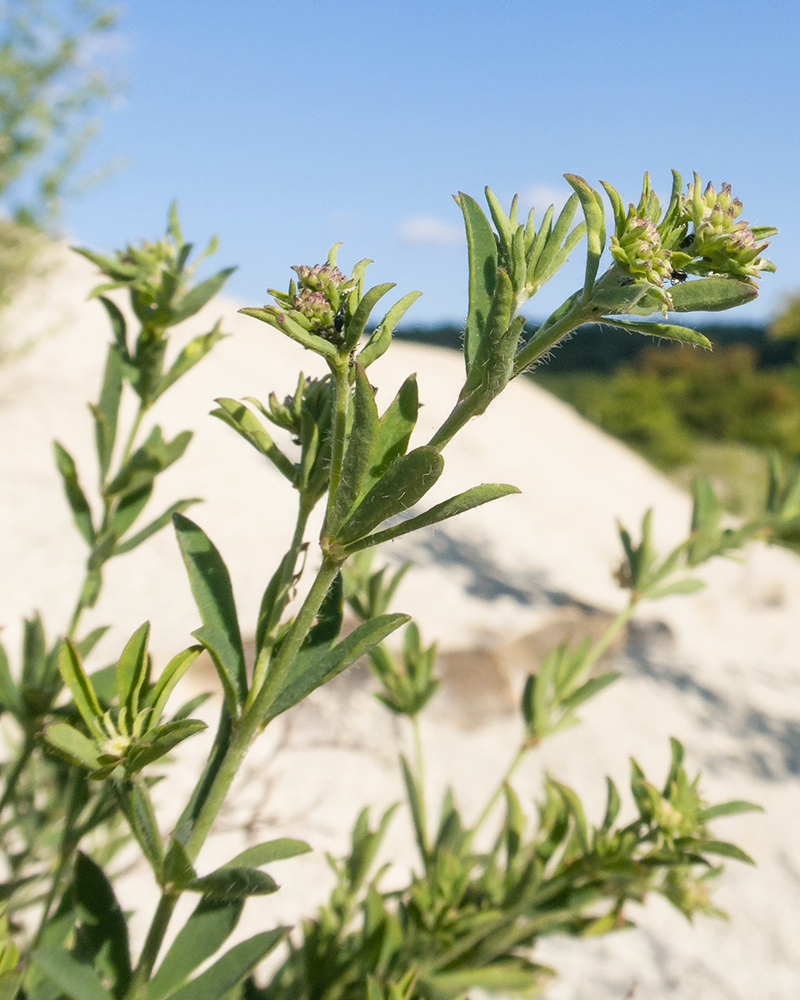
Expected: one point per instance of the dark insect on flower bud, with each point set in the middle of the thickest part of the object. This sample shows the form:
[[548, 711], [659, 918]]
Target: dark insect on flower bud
[[678, 276], [686, 241]]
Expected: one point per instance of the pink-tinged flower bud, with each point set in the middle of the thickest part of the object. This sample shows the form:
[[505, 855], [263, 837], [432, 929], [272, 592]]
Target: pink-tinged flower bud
[[316, 308], [720, 244], [319, 278]]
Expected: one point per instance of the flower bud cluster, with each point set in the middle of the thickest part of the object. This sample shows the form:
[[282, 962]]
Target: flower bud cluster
[[640, 251], [319, 299], [720, 244]]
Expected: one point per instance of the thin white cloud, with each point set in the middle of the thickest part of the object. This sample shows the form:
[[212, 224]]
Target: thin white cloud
[[426, 231], [541, 196]]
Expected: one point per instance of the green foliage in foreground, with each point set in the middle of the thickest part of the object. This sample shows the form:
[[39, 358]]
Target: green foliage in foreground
[[88, 744]]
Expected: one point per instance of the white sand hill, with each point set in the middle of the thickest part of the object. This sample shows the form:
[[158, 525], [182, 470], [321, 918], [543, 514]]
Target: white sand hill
[[719, 670]]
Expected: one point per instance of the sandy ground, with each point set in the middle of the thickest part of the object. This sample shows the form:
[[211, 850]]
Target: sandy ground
[[719, 670]]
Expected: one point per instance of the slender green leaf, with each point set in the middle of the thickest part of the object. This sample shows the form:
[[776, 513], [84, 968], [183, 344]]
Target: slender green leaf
[[76, 980], [194, 351], [360, 447], [159, 741], [231, 969], [69, 663], [711, 294], [588, 690], [203, 934], [417, 807], [729, 809], [358, 322], [103, 924], [378, 343], [403, 484], [285, 324], [229, 883], [245, 423], [71, 745], [482, 255], [329, 663], [269, 851], [135, 800], [155, 525], [194, 300], [474, 497], [213, 595], [9, 695], [592, 205], [107, 411], [159, 694], [394, 432], [132, 670], [726, 850], [117, 326], [682, 334], [79, 505]]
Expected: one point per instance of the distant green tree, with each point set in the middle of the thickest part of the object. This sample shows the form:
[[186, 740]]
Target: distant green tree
[[786, 325], [50, 89]]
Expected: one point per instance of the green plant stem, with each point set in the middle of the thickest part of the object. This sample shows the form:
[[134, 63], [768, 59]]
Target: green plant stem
[[419, 767], [131, 439], [516, 760], [341, 379], [65, 851], [289, 563], [244, 733], [25, 752], [565, 319], [610, 633]]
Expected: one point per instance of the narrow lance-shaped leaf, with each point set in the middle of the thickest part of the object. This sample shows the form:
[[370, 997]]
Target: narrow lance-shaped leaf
[[194, 352], [79, 505], [266, 853], [107, 927], [155, 525], [682, 334], [194, 300], [245, 423], [73, 978], [71, 745], [711, 294], [159, 694], [360, 446], [475, 497], [394, 432], [403, 484], [228, 971], [482, 255], [231, 883], [358, 323], [595, 228], [378, 343], [69, 663], [333, 661], [107, 410], [203, 934], [213, 595], [132, 670]]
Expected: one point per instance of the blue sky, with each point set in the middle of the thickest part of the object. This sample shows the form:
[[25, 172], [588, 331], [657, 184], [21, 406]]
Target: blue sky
[[286, 127]]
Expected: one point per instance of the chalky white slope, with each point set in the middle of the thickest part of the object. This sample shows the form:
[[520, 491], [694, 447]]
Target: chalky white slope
[[719, 670]]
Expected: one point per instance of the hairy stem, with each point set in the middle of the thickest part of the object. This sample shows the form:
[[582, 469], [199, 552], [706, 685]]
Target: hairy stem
[[342, 383], [245, 731]]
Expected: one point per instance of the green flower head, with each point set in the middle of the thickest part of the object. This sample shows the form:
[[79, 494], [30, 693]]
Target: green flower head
[[720, 243]]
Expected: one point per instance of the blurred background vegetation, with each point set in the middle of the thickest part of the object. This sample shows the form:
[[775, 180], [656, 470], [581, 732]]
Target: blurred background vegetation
[[51, 86]]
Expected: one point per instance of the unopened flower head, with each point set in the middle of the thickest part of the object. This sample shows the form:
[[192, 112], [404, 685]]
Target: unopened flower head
[[316, 308], [722, 243], [640, 252], [320, 277]]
